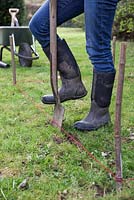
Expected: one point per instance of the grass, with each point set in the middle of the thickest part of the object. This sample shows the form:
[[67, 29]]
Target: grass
[[30, 148]]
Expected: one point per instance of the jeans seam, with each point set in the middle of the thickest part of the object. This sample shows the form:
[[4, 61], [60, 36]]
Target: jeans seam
[[101, 33]]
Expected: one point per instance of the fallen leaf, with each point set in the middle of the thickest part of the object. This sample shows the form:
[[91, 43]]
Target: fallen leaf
[[24, 184]]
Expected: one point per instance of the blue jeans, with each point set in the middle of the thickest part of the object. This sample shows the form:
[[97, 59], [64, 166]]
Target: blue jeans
[[99, 16]]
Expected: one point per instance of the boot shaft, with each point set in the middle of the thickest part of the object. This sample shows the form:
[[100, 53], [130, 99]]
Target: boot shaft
[[66, 63], [102, 86]]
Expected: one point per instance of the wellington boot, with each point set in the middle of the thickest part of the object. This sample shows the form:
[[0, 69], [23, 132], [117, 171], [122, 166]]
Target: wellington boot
[[100, 100], [72, 86]]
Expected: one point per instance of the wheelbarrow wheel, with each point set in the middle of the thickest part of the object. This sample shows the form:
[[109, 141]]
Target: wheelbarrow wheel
[[25, 50]]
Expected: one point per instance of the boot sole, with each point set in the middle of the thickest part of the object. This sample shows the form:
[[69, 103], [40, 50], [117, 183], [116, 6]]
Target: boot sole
[[72, 98], [90, 128]]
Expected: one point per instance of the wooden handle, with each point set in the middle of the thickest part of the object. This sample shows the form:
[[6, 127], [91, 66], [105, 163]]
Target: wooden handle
[[53, 47]]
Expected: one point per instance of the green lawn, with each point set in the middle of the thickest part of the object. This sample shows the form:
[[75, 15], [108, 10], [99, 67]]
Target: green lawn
[[30, 148]]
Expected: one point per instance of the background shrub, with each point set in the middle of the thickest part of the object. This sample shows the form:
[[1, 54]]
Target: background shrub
[[124, 20], [5, 18]]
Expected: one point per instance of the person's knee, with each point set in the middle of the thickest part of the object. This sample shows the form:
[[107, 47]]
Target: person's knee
[[38, 27], [32, 26]]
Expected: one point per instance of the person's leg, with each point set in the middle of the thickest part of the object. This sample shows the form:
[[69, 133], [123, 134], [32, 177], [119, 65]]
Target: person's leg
[[39, 24], [72, 86], [99, 15]]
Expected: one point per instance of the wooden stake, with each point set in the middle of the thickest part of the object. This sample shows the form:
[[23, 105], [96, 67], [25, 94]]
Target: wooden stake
[[11, 38], [122, 61]]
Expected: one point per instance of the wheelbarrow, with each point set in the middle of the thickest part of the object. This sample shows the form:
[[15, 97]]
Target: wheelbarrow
[[22, 38]]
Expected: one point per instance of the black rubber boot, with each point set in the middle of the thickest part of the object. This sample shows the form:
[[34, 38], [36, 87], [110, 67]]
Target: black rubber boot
[[72, 86], [100, 100]]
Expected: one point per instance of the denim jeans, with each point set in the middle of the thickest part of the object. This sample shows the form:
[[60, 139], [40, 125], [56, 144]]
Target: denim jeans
[[99, 16]]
